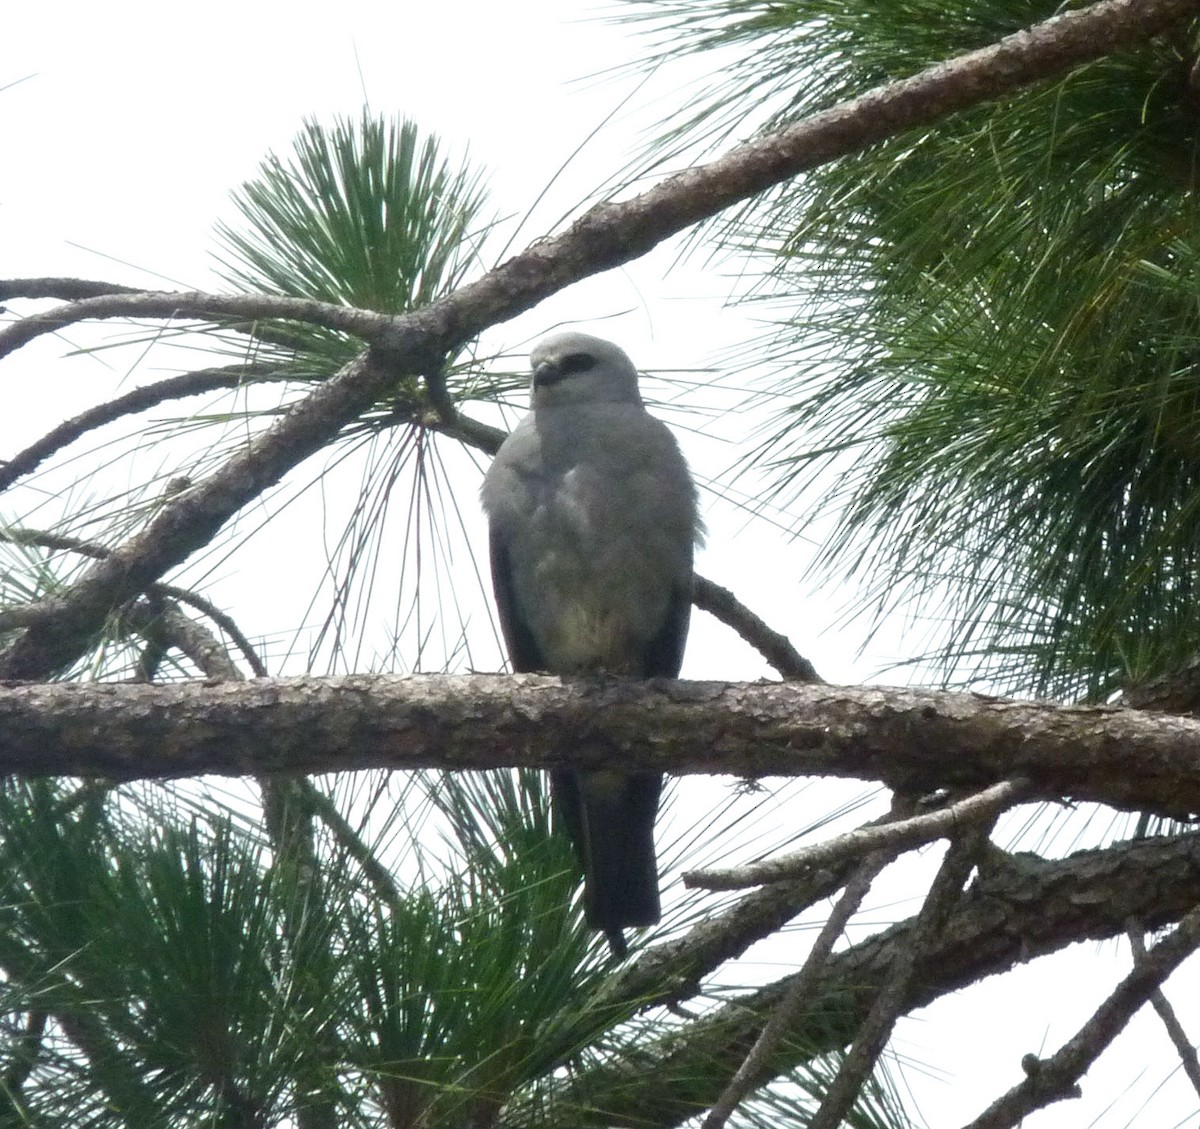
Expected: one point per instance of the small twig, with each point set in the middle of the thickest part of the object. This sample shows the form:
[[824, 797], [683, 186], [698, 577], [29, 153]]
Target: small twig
[[675, 969], [755, 1067], [1053, 1079], [472, 432], [447, 420], [1158, 1000], [353, 844], [223, 620], [149, 661], [439, 397], [195, 306], [774, 647], [76, 289], [60, 542], [64, 289], [56, 542], [876, 1029], [177, 387], [903, 835], [165, 624]]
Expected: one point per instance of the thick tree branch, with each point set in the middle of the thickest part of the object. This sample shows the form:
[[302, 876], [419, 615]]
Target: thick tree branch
[[616, 233], [1178, 691], [912, 740], [605, 237]]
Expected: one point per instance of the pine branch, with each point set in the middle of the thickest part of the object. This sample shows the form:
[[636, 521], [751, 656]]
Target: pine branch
[[65, 289], [206, 652], [674, 970], [889, 1004], [754, 1070], [1008, 916], [177, 387], [914, 741], [194, 306], [1055, 1078], [903, 835], [156, 592], [777, 649], [1184, 1047], [615, 233]]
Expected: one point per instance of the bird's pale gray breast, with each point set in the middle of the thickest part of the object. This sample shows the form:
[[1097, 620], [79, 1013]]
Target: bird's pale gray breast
[[599, 518]]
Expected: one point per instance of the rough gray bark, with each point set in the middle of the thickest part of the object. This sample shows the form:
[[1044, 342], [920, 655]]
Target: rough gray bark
[[911, 740]]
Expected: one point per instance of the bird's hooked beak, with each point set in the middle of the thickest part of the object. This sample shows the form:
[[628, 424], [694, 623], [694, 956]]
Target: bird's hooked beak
[[558, 366], [546, 373]]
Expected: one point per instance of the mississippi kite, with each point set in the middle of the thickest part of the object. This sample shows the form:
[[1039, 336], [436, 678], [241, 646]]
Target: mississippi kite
[[593, 521]]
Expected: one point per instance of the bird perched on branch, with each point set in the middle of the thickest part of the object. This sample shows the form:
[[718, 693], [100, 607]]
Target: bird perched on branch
[[593, 521]]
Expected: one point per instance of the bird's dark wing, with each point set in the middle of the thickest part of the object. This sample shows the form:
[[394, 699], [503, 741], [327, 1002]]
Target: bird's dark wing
[[523, 652], [664, 656]]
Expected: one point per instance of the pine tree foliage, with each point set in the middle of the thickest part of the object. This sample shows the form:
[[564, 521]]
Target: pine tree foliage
[[987, 331], [363, 213], [168, 960]]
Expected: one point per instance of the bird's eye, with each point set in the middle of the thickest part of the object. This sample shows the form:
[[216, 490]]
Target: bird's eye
[[576, 362]]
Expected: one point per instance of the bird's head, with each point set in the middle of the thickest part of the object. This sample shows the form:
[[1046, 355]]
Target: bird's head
[[575, 368]]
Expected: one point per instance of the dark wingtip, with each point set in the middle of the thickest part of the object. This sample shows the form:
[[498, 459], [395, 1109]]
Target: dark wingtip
[[616, 942]]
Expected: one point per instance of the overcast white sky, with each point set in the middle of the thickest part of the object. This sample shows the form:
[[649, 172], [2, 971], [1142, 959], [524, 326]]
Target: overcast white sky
[[127, 125]]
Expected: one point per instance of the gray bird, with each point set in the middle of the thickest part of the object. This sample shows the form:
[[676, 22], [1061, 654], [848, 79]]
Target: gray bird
[[593, 522]]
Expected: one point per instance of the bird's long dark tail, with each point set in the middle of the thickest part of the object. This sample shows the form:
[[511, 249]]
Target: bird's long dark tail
[[610, 819]]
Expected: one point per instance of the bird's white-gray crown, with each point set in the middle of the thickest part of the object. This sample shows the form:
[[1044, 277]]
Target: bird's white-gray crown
[[576, 368]]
